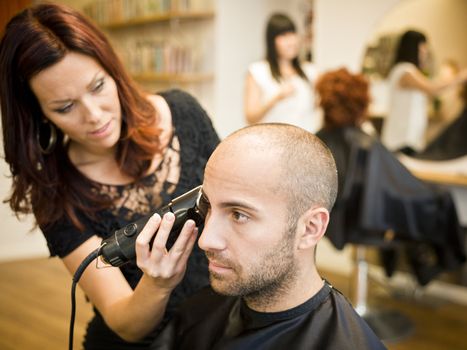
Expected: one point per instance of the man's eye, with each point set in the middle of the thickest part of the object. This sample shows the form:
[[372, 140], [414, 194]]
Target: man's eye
[[203, 205], [64, 109], [239, 217]]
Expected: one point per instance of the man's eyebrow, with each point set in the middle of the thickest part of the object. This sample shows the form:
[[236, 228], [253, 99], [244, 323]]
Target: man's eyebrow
[[238, 204], [231, 204]]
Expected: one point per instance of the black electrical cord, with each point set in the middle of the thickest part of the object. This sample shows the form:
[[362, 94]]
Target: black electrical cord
[[76, 277]]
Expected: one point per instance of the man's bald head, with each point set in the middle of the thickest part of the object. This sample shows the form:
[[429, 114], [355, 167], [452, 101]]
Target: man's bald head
[[307, 174]]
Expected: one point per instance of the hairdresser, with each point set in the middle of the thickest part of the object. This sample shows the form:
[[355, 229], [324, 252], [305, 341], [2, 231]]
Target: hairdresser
[[89, 152]]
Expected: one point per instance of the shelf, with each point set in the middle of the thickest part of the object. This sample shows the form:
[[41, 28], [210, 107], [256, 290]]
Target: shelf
[[180, 78], [442, 178], [163, 17]]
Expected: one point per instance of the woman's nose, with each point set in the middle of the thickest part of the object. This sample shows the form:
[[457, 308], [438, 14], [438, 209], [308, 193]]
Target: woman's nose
[[92, 110]]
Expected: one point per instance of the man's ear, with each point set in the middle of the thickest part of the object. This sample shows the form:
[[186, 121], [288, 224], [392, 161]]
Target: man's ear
[[314, 221]]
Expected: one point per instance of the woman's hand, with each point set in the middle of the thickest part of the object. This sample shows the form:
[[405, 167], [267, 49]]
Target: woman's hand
[[256, 110], [165, 267], [286, 89], [416, 80]]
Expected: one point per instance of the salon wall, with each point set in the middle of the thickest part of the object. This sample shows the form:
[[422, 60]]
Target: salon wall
[[443, 21], [16, 238], [342, 29]]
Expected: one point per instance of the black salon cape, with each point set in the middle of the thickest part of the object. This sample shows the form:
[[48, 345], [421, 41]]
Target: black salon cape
[[377, 193], [209, 321], [451, 143]]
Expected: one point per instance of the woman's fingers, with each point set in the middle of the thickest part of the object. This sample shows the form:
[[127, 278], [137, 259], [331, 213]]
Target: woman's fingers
[[181, 244], [160, 241], [185, 234], [189, 246], [156, 261], [144, 238]]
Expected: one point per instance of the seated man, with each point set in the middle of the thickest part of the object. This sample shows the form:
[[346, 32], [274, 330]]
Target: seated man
[[269, 189]]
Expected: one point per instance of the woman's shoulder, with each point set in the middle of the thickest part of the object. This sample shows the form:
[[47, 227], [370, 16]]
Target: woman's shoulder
[[164, 120], [188, 116], [259, 67], [403, 67], [174, 95], [177, 100], [310, 70]]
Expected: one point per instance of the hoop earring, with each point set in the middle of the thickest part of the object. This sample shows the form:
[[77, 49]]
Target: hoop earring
[[52, 138]]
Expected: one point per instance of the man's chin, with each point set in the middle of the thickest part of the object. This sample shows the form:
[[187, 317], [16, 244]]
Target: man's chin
[[221, 286]]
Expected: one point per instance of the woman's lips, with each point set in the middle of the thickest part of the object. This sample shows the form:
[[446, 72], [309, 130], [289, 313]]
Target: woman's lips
[[101, 131]]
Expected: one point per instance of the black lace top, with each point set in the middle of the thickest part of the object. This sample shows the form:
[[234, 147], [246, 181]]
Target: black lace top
[[181, 169]]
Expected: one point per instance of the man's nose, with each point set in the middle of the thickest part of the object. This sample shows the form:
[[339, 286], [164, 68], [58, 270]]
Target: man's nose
[[212, 237]]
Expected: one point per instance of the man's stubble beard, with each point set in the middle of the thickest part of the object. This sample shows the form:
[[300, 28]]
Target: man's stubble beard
[[269, 280]]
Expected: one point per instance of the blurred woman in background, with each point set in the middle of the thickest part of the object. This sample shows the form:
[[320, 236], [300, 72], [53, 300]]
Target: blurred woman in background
[[404, 128], [280, 88]]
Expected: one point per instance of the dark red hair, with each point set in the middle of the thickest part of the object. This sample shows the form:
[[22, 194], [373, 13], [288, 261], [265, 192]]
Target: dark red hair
[[344, 97], [34, 40]]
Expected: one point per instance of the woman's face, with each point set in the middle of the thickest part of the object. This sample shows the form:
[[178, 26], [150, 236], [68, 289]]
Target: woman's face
[[287, 45], [81, 99], [423, 53]]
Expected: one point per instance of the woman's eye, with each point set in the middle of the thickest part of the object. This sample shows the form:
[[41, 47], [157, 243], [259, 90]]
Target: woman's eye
[[99, 85], [64, 109]]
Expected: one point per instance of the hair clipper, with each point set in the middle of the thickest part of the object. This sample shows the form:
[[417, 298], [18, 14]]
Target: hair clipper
[[119, 248]]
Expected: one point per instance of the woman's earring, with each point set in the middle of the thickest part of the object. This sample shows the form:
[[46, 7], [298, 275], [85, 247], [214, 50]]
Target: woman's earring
[[52, 138]]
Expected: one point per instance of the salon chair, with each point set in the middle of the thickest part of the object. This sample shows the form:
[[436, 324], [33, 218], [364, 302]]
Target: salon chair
[[381, 205], [345, 228]]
